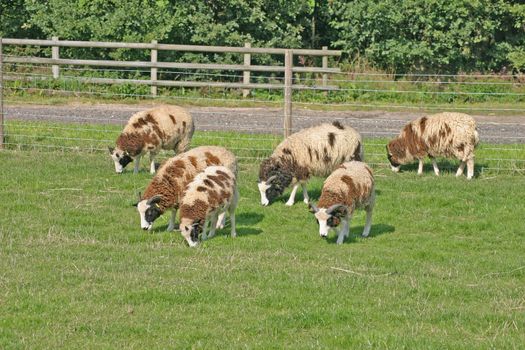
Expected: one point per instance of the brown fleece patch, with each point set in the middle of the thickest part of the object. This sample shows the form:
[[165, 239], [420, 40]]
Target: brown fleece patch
[[172, 119], [133, 143], [461, 147], [432, 140], [415, 145], [338, 125], [195, 211], [357, 153], [176, 168], [139, 123], [448, 130], [287, 151], [329, 198], [208, 183], [222, 173], [202, 189], [213, 199], [317, 154], [326, 157], [309, 153], [331, 139], [219, 180], [211, 159], [396, 147], [184, 127], [193, 161], [422, 124], [155, 125]]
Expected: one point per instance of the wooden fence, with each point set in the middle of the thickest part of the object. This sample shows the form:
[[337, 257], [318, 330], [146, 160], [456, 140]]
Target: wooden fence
[[247, 51]]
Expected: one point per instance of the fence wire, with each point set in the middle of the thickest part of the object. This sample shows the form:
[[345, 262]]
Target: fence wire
[[252, 127]]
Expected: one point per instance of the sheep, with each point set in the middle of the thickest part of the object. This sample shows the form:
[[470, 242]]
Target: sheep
[[211, 192], [349, 187], [166, 189], [163, 127], [439, 135], [315, 151]]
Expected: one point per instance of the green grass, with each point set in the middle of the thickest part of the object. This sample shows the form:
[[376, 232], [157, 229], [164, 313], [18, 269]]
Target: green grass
[[24, 135], [442, 269]]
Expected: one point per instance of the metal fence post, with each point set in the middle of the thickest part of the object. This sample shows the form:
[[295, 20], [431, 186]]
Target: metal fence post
[[246, 74], [55, 55], [288, 81], [1, 96], [153, 74]]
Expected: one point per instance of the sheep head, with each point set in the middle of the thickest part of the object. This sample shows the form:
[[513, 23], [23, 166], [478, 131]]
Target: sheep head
[[273, 179], [120, 158]]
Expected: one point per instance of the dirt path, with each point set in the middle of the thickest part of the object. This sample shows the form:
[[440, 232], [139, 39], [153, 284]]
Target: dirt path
[[266, 120]]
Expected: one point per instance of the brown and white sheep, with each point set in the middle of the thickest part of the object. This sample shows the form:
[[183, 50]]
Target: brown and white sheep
[[439, 135], [315, 151], [164, 127], [167, 187], [349, 187], [211, 193]]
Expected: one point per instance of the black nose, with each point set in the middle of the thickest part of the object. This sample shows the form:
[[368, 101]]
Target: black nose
[[324, 237], [145, 228]]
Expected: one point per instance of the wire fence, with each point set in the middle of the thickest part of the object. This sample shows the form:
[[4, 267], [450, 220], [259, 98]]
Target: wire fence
[[377, 105]]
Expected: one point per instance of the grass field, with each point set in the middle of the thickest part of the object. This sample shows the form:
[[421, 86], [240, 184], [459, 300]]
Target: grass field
[[443, 267]]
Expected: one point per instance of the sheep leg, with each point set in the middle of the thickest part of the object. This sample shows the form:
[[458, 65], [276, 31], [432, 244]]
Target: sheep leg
[[222, 220], [152, 163], [368, 224], [305, 194], [344, 231], [434, 164], [137, 164], [204, 228], [470, 169], [171, 225], [213, 224], [231, 210], [460, 169], [291, 200], [420, 167]]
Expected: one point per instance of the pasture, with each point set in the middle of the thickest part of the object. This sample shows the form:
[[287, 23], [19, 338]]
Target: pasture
[[443, 267]]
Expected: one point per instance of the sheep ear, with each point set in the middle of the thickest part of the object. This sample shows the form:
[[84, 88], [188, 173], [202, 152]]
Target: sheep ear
[[312, 208], [111, 149], [338, 210], [155, 199]]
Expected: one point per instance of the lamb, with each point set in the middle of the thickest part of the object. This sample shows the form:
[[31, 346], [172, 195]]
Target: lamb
[[167, 187], [211, 192], [315, 151], [163, 127], [439, 135], [349, 187]]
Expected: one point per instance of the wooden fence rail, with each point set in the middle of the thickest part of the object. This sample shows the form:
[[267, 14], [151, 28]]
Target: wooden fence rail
[[247, 51]]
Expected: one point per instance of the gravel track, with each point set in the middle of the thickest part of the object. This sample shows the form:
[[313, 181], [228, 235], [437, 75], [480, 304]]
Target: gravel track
[[493, 129]]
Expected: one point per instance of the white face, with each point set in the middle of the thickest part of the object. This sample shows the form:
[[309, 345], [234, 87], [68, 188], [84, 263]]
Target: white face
[[395, 169], [262, 189], [118, 168], [322, 218], [142, 207]]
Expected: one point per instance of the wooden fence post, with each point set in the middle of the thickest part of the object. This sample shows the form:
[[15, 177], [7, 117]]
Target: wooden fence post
[[55, 55], [246, 73], [325, 65], [153, 73], [1, 96], [288, 81]]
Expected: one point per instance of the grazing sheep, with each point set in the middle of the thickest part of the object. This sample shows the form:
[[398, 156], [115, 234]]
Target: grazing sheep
[[315, 151], [211, 192], [164, 127], [439, 135], [167, 187], [349, 187]]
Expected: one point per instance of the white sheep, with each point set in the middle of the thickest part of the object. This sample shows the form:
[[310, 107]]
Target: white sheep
[[439, 135], [164, 127], [211, 193], [315, 151], [167, 187], [349, 187]]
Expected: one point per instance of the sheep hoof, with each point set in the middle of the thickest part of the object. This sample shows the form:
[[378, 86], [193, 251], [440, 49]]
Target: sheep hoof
[[289, 204]]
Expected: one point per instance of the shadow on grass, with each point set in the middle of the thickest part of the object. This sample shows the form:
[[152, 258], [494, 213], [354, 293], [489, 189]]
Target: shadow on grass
[[376, 230], [250, 218], [445, 167]]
